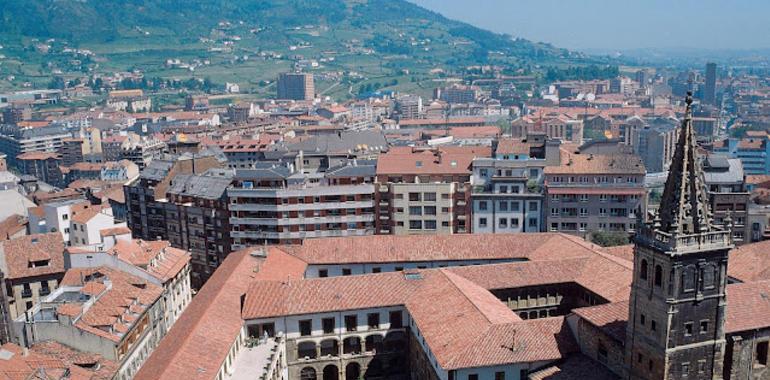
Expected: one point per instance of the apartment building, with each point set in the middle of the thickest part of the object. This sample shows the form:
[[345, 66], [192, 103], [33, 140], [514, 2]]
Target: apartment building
[[146, 194], [296, 86], [425, 191], [44, 166], [198, 220], [458, 94], [507, 188], [726, 189], [16, 140], [753, 151], [32, 266], [655, 143], [278, 204], [588, 193]]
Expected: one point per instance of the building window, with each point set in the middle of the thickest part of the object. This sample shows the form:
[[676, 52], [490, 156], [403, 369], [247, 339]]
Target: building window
[[642, 319], [760, 357], [351, 322], [430, 210], [415, 210], [305, 327], [704, 327], [602, 353], [514, 222], [554, 212], [395, 320], [643, 270], [503, 205], [685, 369], [430, 224], [323, 273], [554, 226], [376, 270], [533, 222], [514, 206], [503, 223], [583, 226], [415, 224], [658, 276], [500, 375], [346, 272], [483, 205], [374, 320], [473, 376], [533, 206], [414, 197], [482, 222], [688, 329], [328, 325], [653, 326]]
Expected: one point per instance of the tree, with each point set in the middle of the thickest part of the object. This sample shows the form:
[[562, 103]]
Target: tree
[[609, 238]]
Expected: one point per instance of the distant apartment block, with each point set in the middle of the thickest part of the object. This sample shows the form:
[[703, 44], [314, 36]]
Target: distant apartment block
[[724, 180], [296, 86], [588, 193], [425, 191], [278, 205]]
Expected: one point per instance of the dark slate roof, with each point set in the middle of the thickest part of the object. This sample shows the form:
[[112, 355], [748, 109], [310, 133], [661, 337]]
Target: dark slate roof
[[157, 169], [343, 142], [199, 186], [272, 172], [358, 168]]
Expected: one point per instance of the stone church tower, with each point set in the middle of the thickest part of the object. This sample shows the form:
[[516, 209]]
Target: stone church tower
[[677, 307]]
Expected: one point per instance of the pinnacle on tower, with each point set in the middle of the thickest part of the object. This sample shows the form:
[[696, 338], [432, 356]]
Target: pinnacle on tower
[[684, 207]]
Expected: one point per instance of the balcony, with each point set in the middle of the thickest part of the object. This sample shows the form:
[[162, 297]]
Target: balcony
[[359, 218], [299, 234], [301, 191], [300, 206]]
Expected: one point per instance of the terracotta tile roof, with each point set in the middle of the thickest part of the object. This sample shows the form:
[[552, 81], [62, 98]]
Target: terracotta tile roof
[[157, 258], [20, 253], [528, 341], [12, 225], [325, 294], [598, 164], [49, 362], [200, 340], [512, 146], [84, 212], [759, 180], [107, 316], [116, 194], [611, 318], [37, 156], [115, 231], [575, 367], [429, 122], [750, 262], [94, 367], [444, 160], [474, 132], [391, 248], [748, 306]]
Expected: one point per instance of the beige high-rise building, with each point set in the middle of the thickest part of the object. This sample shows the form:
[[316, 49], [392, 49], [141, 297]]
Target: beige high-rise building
[[296, 86]]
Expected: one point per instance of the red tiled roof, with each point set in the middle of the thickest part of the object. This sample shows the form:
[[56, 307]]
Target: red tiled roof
[[575, 367], [386, 248], [598, 164], [12, 225], [610, 318], [200, 340], [115, 231], [444, 160], [21, 252], [750, 262], [535, 340], [37, 156], [748, 306], [158, 258]]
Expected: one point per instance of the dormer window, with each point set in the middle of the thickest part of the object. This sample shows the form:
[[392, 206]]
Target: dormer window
[[38, 263]]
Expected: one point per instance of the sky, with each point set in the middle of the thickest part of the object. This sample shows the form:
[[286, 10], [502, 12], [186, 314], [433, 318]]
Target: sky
[[620, 24]]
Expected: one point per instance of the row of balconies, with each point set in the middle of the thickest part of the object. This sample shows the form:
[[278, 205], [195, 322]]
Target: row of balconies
[[301, 206], [303, 220], [299, 234]]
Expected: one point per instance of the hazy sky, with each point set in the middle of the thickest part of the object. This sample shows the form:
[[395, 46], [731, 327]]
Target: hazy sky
[[616, 24]]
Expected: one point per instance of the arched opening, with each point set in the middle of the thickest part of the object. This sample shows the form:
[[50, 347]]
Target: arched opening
[[353, 371], [395, 341], [331, 372], [658, 276], [330, 347], [643, 270], [351, 345], [374, 343], [307, 373], [306, 350]]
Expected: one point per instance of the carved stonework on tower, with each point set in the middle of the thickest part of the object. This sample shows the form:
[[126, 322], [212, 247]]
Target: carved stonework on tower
[[684, 205], [677, 306]]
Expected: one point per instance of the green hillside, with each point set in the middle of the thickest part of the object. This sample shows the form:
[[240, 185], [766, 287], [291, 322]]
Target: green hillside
[[380, 43]]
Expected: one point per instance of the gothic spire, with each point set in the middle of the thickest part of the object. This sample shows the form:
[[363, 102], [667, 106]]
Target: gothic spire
[[684, 207]]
